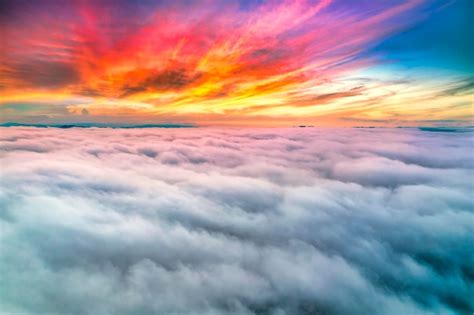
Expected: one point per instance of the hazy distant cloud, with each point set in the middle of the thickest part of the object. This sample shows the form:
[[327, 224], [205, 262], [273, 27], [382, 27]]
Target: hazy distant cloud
[[236, 221]]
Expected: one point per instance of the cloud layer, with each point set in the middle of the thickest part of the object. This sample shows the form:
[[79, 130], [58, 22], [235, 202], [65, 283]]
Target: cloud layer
[[236, 221]]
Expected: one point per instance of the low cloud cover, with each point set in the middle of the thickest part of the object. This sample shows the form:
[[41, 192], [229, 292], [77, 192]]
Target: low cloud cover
[[236, 221]]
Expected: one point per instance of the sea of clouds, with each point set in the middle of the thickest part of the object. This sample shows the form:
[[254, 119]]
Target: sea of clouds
[[236, 221]]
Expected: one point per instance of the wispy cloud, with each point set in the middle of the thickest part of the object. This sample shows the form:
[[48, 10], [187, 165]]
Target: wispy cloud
[[154, 60]]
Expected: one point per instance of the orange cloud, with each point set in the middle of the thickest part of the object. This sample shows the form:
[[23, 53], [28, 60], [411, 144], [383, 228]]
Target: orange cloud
[[192, 61]]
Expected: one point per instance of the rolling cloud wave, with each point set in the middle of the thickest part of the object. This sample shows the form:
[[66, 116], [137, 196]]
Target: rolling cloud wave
[[236, 221]]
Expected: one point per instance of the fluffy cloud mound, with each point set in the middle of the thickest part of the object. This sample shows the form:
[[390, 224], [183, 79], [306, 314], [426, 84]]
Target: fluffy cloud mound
[[236, 221]]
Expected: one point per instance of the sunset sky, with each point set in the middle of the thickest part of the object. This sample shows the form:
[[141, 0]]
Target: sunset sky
[[109, 205], [240, 63]]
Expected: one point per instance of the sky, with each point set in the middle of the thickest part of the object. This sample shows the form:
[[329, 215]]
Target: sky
[[238, 63], [236, 221]]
